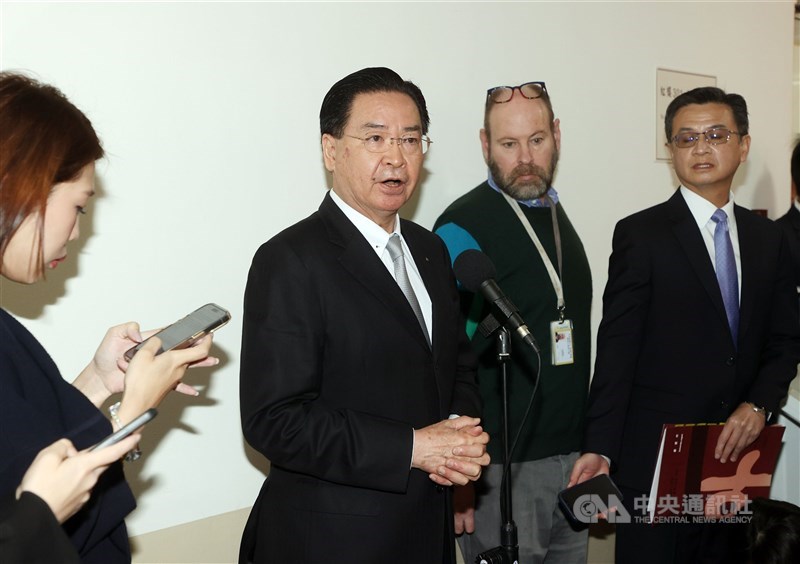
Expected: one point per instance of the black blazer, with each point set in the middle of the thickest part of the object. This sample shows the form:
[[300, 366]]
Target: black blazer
[[790, 224], [37, 407], [665, 353], [30, 533], [335, 374]]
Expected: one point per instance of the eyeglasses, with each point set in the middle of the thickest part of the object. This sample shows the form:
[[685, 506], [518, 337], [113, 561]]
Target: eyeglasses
[[715, 136], [409, 144], [529, 90]]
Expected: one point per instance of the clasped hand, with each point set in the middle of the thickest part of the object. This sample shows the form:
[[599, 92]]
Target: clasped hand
[[451, 451]]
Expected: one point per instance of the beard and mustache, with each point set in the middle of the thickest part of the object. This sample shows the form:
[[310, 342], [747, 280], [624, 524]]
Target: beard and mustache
[[531, 189]]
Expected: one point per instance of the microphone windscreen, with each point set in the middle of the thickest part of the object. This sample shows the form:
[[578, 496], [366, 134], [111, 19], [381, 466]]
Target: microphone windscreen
[[473, 268]]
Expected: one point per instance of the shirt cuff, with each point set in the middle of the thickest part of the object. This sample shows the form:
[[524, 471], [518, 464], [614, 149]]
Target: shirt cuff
[[413, 441]]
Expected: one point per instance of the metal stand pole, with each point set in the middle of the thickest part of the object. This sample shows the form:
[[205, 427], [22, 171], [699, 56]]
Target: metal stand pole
[[508, 551]]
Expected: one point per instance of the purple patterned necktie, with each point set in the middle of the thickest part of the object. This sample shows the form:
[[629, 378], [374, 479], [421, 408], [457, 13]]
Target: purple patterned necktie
[[726, 271]]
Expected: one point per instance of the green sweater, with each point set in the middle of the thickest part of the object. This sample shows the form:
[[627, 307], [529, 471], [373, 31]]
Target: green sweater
[[481, 219]]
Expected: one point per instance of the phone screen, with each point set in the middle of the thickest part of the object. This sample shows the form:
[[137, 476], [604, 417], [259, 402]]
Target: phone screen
[[193, 325], [184, 332]]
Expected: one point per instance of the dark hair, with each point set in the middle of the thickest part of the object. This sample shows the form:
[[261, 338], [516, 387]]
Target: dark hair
[[545, 97], [709, 95], [338, 102], [44, 140], [795, 167], [774, 532]]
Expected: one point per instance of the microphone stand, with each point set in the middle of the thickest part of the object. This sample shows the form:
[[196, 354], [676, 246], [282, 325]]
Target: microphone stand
[[508, 551]]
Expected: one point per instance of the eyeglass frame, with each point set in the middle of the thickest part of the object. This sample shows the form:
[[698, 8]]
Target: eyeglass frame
[[539, 83], [708, 141], [425, 144]]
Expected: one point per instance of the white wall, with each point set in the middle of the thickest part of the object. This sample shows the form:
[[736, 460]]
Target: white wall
[[796, 76], [209, 115]]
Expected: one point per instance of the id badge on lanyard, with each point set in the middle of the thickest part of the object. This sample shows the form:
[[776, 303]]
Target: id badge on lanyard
[[561, 343]]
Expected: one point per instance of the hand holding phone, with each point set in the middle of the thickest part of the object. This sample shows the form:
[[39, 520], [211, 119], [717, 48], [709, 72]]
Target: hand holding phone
[[126, 430], [585, 502], [188, 330], [151, 376], [64, 477]]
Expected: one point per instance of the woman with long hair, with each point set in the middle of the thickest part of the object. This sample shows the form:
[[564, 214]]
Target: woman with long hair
[[48, 149]]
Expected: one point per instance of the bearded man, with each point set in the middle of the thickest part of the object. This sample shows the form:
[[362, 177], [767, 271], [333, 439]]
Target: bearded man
[[516, 218]]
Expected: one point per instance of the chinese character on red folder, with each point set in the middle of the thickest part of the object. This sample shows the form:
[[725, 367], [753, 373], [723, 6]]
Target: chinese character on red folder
[[689, 482]]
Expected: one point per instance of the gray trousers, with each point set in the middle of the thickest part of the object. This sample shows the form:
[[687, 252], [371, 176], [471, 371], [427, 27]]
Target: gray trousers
[[545, 536]]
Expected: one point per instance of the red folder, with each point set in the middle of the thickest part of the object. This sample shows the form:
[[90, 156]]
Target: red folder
[[690, 485]]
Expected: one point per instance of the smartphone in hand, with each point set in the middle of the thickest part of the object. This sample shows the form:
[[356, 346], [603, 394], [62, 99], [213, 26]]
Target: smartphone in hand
[[187, 331], [117, 436], [584, 502]]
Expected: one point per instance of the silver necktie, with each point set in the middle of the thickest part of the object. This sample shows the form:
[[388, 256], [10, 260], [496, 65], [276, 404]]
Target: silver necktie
[[395, 248]]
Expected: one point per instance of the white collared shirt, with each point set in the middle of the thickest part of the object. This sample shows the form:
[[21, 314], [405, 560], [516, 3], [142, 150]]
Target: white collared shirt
[[702, 210], [378, 239]]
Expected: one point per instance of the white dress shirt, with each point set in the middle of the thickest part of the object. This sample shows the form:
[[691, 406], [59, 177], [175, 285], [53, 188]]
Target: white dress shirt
[[702, 210], [377, 239]]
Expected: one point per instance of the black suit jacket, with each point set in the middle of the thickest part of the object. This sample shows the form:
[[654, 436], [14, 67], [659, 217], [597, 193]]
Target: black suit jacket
[[30, 533], [335, 374], [665, 353], [790, 224], [37, 407]]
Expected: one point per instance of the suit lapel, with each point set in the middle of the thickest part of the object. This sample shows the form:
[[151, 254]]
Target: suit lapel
[[691, 241], [358, 259]]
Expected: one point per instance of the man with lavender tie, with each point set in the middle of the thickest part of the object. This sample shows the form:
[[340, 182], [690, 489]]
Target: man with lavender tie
[[699, 325]]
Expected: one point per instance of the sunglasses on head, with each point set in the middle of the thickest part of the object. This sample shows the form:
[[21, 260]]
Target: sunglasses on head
[[529, 90]]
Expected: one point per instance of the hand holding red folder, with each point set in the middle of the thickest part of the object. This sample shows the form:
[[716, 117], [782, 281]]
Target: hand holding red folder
[[741, 429]]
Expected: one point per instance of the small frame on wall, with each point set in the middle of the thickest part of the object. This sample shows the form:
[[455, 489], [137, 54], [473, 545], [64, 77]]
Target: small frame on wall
[[669, 84]]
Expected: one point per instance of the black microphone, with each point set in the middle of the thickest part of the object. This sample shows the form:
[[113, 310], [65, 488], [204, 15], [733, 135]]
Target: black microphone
[[476, 272]]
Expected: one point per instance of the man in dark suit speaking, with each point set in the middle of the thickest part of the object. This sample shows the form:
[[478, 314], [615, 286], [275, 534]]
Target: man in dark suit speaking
[[357, 380], [700, 324]]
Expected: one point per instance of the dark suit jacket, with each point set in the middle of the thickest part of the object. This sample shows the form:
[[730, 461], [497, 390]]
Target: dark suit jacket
[[37, 407], [665, 353], [790, 224], [335, 374], [30, 533]]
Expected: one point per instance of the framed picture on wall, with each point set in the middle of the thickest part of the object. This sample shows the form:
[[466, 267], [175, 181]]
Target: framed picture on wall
[[669, 84]]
